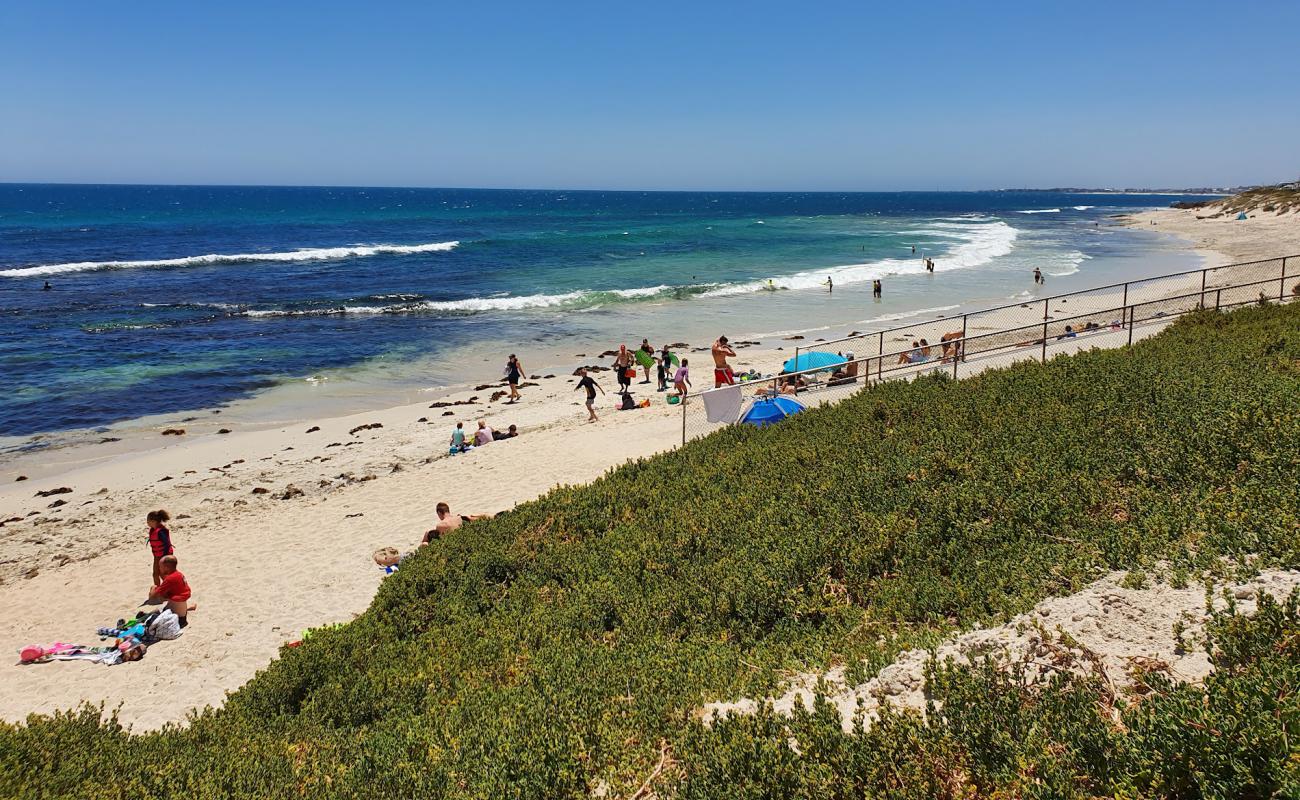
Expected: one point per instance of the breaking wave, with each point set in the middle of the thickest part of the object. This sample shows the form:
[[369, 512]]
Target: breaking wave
[[306, 254], [981, 243]]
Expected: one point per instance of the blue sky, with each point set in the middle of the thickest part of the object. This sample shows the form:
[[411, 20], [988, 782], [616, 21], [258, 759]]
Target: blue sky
[[654, 95]]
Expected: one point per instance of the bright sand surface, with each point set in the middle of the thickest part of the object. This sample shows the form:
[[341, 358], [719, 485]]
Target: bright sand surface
[[263, 568], [1226, 239]]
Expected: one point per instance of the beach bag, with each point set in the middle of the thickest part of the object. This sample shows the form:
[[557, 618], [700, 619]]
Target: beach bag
[[165, 626], [631, 372]]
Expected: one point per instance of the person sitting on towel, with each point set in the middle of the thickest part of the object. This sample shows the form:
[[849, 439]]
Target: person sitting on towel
[[172, 590]]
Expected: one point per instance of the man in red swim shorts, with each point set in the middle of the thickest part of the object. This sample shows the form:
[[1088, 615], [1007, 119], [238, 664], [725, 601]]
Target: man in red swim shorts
[[722, 374]]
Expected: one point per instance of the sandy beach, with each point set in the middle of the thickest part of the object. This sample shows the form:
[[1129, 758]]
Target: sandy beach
[[1226, 239], [274, 527]]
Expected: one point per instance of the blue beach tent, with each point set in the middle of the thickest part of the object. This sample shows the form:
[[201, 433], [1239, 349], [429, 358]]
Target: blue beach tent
[[814, 360], [771, 410]]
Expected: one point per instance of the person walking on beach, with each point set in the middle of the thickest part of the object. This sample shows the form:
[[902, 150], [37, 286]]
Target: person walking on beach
[[665, 365], [458, 438], [875, 288], [722, 374], [585, 382], [160, 540], [514, 372], [623, 366], [648, 359], [682, 380]]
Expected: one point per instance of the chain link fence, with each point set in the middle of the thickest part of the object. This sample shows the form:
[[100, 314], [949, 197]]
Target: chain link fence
[[1106, 316]]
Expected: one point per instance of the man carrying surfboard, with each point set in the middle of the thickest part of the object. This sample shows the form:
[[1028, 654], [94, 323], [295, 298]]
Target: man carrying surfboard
[[722, 374], [645, 356]]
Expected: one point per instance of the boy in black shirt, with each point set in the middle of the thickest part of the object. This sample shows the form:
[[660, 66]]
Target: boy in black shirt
[[591, 386]]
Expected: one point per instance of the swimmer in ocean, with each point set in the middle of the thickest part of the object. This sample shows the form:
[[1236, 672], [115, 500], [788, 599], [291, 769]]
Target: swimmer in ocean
[[46, 287], [771, 287]]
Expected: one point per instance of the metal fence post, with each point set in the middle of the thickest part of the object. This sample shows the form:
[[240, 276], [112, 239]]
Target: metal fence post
[[1201, 303], [1217, 294], [1132, 316], [1281, 282], [1044, 341], [880, 362], [1123, 304], [683, 404]]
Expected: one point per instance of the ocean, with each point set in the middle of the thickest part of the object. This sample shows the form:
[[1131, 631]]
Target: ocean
[[166, 299]]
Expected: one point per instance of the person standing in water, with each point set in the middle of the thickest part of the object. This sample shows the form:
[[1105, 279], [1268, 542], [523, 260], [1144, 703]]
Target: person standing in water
[[585, 382], [830, 285], [1038, 275], [771, 287], [875, 288], [514, 372]]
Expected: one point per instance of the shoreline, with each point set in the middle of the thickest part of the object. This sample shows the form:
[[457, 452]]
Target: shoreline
[[265, 568]]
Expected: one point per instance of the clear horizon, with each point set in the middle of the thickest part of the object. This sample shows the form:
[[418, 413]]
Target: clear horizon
[[834, 98]]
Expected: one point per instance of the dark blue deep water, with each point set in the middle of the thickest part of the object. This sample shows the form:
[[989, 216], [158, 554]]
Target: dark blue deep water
[[172, 298]]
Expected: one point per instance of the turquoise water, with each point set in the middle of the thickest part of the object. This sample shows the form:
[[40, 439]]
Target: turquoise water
[[165, 299]]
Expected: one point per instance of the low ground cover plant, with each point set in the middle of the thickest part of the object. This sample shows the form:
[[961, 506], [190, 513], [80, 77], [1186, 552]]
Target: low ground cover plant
[[563, 650]]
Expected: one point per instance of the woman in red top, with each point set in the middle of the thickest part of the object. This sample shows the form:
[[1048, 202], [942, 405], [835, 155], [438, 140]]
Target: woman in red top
[[160, 540]]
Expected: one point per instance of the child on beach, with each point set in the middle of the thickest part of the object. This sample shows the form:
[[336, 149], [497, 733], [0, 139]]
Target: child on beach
[[682, 380], [171, 589], [160, 540], [586, 382], [665, 364]]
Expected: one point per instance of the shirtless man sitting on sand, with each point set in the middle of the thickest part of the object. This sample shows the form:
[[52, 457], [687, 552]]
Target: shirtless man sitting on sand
[[448, 522], [722, 374]]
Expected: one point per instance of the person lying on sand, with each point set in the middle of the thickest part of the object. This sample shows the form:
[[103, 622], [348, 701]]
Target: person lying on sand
[[448, 522], [172, 590], [510, 433]]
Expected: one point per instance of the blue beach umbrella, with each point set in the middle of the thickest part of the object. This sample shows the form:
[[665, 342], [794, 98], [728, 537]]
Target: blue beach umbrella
[[814, 360], [771, 410]]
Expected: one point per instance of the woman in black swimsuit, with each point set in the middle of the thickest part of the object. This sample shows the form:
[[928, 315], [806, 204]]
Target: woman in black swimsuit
[[513, 373]]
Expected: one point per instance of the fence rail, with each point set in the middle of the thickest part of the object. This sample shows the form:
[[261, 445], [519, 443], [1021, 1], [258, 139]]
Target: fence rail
[[1106, 316]]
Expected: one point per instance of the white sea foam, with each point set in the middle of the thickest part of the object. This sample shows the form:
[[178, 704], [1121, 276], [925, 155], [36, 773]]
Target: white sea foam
[[983, 242], [1083, 208], [306, 254], [1041, 211]]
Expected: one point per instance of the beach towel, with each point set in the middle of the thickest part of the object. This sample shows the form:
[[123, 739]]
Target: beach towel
[[722, 405]]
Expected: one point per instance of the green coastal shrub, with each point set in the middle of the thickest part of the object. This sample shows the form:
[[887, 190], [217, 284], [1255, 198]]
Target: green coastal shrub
[[562, 650]]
